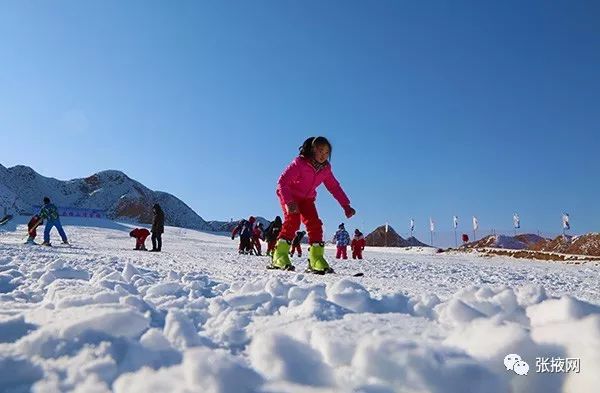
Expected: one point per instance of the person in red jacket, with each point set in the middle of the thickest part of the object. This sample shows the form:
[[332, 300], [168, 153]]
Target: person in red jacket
[[358, 244], [257, 235], [140, 235], [31, 228], [465, 238]]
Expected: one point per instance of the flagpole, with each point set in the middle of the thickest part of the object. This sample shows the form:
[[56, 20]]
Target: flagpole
[[386, 232], [455, 224], [431, 228]]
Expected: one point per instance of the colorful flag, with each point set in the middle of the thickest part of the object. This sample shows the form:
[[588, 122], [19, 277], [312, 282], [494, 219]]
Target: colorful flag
[[455, 220], [516, 221], [412, 225], [565, 220]]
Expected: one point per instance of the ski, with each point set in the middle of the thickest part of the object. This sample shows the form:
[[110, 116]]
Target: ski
[[323, 273], [60, 245], [316, 272], [289, 269], [5, 219]]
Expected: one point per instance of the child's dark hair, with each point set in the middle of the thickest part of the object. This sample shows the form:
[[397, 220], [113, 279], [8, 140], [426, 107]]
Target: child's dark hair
[[307, 146]]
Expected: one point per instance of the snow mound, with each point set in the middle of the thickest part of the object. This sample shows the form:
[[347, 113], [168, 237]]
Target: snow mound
[[198, 317], [280, 357]]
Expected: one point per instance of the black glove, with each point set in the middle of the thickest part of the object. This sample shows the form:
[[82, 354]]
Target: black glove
[[232, 237]]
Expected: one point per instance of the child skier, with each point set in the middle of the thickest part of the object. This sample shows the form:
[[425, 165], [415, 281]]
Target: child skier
[[244, 228], [296, 189], [271, 234], [342, 240], [257, 235], [140, 235], [358, 244], [49, 212], [296, 243], [32, 227]]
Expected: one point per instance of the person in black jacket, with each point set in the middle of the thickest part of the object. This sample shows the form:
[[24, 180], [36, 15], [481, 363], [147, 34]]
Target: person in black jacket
[[158, 227], [244, 228], [271, 234]]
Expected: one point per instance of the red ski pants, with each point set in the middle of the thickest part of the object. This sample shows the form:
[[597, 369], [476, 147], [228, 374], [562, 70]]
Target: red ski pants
[[307, 214], [256, 242], [342, 252], [356, 253], [139, 242]]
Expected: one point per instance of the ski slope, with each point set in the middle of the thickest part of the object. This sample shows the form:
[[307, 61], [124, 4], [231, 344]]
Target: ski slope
[[101, 317]]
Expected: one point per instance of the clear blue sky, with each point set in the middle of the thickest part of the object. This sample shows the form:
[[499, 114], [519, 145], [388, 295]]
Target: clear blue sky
[[433, 108]]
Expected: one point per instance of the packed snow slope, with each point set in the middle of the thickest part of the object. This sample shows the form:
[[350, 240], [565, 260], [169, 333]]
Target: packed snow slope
[[100, 317]]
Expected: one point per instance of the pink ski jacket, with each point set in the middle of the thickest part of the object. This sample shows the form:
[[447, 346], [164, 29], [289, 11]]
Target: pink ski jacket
[[300, 181]]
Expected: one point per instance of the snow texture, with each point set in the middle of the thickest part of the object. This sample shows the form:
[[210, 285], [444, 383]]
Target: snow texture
[[100, 317]]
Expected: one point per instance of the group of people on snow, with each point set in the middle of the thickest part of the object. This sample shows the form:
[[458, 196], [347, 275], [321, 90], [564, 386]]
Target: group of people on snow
[[251, 233], [250, 239], [342, 241], [296, 191], [158, 228], [49, 213]]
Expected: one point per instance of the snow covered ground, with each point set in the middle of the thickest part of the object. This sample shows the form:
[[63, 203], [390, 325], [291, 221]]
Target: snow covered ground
[[100, 317]]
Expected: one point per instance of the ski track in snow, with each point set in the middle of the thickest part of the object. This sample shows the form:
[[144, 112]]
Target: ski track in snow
[[198, 317]]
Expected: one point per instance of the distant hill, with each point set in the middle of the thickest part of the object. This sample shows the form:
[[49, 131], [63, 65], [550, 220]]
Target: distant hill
[[22, 189], [498, 241], [379, 238], [588, 244]]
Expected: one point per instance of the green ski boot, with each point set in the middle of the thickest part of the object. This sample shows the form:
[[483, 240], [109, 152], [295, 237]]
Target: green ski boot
[[316, 262], [281, 256]]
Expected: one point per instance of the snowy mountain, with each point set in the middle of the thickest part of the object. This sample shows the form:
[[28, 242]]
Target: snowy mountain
[[21, 189], [498, 241], [10, 201], [414, 242], [588, 244], [379, 238], [529, 238]]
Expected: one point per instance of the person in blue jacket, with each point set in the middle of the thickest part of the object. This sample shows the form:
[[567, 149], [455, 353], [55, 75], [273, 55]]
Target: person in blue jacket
[[342, 240], [49, 213]]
